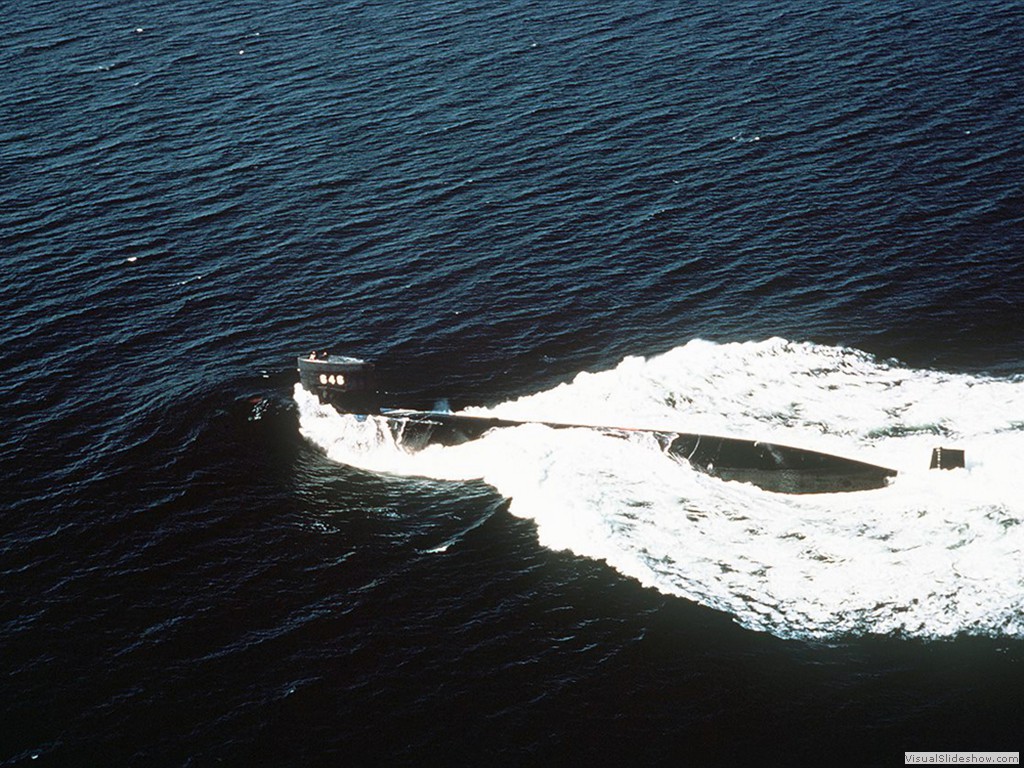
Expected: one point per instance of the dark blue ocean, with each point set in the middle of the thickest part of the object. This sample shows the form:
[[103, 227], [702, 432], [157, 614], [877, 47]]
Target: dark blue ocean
[[793, 219]]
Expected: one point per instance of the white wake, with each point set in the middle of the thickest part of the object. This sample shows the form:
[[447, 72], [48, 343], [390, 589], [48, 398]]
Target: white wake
[[936, 554]]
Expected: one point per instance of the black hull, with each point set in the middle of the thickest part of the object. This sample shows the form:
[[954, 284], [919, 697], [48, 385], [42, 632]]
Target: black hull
[[770, 466], [347, 385]]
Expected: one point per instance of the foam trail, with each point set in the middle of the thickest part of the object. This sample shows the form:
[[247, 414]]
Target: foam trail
[[935, 554]]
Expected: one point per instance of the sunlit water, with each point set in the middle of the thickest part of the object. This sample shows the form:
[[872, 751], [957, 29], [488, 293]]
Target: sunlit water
[[937, 553], [598, 213]]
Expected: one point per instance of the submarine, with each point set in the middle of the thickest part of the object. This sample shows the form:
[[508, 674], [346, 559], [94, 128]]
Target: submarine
[[348, 384]]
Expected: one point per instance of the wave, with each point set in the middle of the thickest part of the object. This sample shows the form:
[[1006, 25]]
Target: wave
[[935, 554]]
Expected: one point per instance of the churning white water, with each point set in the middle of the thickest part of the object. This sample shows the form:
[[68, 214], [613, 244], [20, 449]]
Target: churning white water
[[935, 554]]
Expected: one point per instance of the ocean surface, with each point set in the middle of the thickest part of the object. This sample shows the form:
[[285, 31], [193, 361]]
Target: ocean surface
[[794, 221]]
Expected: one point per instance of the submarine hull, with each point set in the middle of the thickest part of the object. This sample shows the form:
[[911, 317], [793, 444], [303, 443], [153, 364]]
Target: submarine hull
[[347, 384], [770, 466]]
